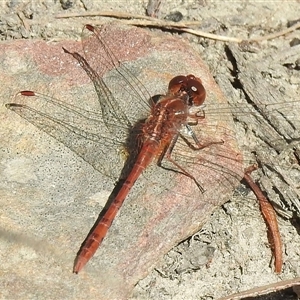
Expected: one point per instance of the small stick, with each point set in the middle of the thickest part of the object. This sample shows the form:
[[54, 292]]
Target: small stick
[[239, 40], [153, 8], [180, 26], [269, 215], [263, 290], [123, 15], [23, 20]]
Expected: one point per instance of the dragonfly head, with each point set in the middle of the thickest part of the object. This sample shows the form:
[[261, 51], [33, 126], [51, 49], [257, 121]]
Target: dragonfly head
[[191, 85]]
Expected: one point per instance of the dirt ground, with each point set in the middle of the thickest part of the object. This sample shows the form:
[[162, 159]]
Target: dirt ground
[[230, 253]]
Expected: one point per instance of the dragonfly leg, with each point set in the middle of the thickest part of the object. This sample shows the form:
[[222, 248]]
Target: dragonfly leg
[[194, 120], [167, 155], [198, 145]]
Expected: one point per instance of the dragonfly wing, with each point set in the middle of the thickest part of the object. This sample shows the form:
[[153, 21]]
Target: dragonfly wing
[[81, 131], [130, 102]]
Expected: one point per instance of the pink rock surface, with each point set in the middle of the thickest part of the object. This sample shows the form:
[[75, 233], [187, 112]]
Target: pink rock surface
[[51, 197]]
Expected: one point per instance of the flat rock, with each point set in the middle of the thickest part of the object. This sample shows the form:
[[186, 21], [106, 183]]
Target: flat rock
[[51, 197]]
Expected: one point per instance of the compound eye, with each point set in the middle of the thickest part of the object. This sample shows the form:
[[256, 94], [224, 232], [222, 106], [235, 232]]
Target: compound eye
[[191, 76], [177, 84], [196, 92]]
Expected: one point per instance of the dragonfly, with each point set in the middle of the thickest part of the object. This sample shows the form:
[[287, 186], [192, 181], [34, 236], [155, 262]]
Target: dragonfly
[[165, 121]]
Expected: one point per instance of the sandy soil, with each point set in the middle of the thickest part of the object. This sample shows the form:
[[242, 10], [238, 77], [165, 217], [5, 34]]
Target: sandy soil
[[231, 252]]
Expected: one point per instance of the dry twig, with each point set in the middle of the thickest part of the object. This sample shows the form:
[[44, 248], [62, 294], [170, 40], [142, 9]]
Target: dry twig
[[269, 215], [263, 290], [179, 26]]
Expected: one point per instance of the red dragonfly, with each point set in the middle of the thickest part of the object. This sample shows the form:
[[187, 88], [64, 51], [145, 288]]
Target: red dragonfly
[[169, 118]]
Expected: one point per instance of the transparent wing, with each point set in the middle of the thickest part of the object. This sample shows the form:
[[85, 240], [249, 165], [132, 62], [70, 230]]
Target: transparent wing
[[80, 130], [274, 123], [109, 74]]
